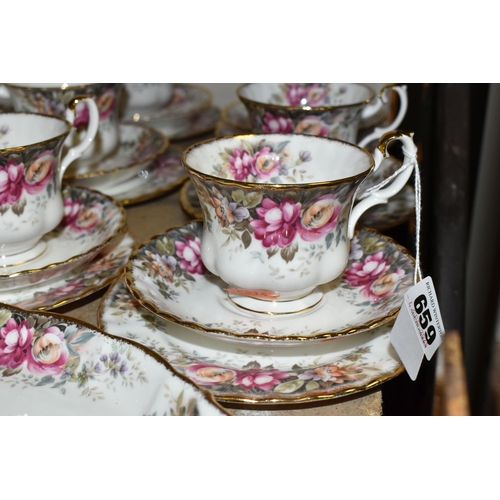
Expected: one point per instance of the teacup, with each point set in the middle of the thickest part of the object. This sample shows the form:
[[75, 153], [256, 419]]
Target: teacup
[[146, 96], [278, 211], [31, 172], [53, 99], [323, 109]]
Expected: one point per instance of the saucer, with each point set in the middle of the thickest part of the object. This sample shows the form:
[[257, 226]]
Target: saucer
[[236, 115], [252, 374], [381, 217], [177, 287], [189, 113], [77, 283], [51, 364], [139, 146], [92, 221], [165, 174]]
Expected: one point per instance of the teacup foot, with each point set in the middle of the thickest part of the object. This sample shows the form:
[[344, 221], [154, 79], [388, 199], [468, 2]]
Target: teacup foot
[[23, 257], [275, 307]]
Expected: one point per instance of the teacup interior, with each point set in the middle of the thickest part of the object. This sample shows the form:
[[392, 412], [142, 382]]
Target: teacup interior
[[278, 159], [24, 129], [307, 94]]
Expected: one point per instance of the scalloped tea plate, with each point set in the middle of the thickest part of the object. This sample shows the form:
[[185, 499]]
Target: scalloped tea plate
[[252, 374], [92, 220], [139, 146], [367, 295], [51, 364], [77, 283]]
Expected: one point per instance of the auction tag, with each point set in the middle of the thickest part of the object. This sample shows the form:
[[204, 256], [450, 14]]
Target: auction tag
[[418, 329]]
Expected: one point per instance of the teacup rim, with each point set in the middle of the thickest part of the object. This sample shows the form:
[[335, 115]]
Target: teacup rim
[[38, 143], [273, 186], [304, 108]]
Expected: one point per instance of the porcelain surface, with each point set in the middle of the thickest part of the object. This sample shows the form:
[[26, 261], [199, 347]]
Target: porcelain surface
[[91, 221], [250, 374], [139, 146], [381, 217], [235, 115], [166, 275], [76, 283], [163, 175], [53, 365]]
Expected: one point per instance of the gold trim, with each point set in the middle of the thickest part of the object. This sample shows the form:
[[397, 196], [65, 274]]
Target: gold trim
[[273, 187], [54, 88], [247, 100], [148, 159], [157, 357], [369, 325], [227, 121], [120, 229], [256, 400], [16, 149]]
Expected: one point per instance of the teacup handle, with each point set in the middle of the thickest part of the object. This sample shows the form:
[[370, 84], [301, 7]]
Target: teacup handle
[[75, 152], [382, 99], [382, 195]]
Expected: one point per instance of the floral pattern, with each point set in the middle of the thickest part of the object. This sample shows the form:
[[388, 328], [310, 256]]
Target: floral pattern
[[235, 374], [370, 291], [40, 353], [281, 220], [26, 173]]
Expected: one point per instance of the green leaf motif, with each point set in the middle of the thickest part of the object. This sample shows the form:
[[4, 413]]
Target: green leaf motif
[[288, 253], [312, 385], [328, 240], [8, 372], [373, 245], [18, 208], [70, 331], [83, 338], [48, 379], [5, 315], [246, 238], [252, 199], [289, 387]]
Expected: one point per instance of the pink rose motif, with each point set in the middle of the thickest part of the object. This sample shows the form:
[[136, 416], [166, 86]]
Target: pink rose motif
[[79, 218], [106, 104], [241, 162], [82, 116], [276, 124], [189, 253], [11, 182], [294, 94], [266, 380], [205, 374], [67, 290], [319, 219], [39, 173], [266, 163], [49, 352], [277, 223], [15, 342], [366, 272], [312, 125]]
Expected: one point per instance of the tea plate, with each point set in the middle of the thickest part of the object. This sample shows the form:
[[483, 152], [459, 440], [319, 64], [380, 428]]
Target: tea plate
[[53, 365], [189, 113], [251, 374], [139, 146], [165, 174], [166, 276], [77, 283], [381, 217], [91, 221]]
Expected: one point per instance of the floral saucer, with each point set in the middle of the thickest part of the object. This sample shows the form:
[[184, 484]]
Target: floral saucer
[[163, 175], [166, 275], [381, 217], [189, 113], [139, 146], [77, 283], [91, 221], [51, 364], [252, 374]]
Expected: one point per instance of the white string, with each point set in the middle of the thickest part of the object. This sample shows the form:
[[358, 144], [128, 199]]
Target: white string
[[412, 160]]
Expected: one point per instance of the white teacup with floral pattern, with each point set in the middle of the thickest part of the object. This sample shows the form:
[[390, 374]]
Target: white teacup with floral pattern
[[324, 109], [278, 211], [54, 99], [31, 172]]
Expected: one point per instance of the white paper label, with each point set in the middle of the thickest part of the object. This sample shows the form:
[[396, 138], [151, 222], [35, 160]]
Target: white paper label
[[418, 329]]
